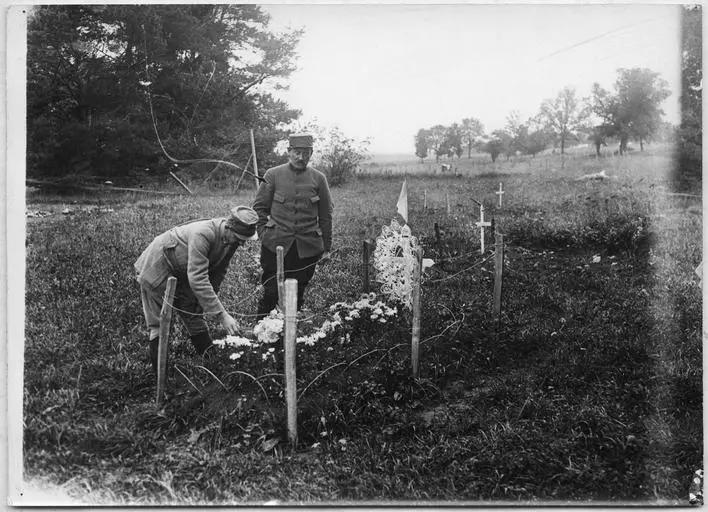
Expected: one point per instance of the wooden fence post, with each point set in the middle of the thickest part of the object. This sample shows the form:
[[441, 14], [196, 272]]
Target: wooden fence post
[[366, 253], [425, 199], [290, 350], [415, 338], [447, 200], [498, 272], [280, 275], [165, 323], [255, 162]]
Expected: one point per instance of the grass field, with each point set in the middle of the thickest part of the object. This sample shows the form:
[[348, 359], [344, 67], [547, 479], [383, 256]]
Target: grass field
[[588, 390]]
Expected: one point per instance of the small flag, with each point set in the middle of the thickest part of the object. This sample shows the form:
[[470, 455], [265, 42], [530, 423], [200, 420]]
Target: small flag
[[402, 204]]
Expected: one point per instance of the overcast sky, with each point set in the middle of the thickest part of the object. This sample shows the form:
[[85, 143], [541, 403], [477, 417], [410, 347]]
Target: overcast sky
[[385, 71]]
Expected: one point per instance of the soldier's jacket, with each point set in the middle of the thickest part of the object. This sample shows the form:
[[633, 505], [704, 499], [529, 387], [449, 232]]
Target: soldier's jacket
[[294, 206], [194, 251]]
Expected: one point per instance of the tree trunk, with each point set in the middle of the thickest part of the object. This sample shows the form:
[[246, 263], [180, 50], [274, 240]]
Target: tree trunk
[[597, 148], [562, 145], [641, 144], [623, 144]]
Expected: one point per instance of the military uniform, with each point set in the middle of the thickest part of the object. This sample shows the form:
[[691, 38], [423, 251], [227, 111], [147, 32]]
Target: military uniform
[[197, 253], [294, 211], [197, 256]]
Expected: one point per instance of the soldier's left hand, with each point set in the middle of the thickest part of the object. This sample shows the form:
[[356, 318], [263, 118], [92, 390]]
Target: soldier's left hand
[[325, 257]]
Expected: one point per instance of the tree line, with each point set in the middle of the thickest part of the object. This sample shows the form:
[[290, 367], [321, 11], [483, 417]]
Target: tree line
[[630, 111]]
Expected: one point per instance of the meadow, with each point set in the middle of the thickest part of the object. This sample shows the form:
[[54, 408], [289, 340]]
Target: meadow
[[588, 391]]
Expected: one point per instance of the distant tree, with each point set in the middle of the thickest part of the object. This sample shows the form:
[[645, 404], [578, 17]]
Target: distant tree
[[438, 135], [633, 110], [497, 144], [339, 155], [472, 128], [422, 143], [599, 134], [453, 141], [689, 134], [641, 92], [537, 141], [518, 132], [563, 115]]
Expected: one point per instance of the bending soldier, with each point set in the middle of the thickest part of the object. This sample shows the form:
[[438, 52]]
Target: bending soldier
[[197, 253]]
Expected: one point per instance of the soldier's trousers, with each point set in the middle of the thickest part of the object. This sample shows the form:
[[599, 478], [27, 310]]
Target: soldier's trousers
[[301, 269], [186, 304]]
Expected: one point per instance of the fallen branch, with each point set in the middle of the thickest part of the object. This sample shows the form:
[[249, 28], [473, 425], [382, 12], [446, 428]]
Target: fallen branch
[[38, 183], [180, 182]]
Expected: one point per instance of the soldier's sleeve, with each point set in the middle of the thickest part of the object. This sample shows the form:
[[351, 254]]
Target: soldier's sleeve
[[325, 213], [264, 198], [198, 274]]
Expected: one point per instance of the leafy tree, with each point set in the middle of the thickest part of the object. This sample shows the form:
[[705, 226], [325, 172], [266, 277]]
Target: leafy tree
[[91, 70], [563, 115], [537, 141], [633, 110], [422, 143], [452, 144], [497, 144], [438, 134], [472, 128], [339, 155]]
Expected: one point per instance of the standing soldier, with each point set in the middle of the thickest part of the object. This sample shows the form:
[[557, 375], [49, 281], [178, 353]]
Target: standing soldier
[[294, 209], [197, 253]]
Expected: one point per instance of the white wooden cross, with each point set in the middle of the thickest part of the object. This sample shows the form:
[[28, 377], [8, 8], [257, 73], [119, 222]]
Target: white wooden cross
[[499, 193], [481, 225]]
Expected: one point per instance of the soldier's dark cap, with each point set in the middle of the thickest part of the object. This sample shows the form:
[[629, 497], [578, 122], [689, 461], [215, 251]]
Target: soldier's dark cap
[[300, 140], [242, 222]]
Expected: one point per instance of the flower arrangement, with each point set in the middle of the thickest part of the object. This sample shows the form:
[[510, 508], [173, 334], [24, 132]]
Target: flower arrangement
[[394, 261], [342, 315]]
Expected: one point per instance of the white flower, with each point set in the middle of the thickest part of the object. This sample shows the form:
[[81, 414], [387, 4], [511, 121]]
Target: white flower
[[235, 355]]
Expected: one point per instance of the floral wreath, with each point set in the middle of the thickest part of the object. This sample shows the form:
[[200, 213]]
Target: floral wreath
[[394, 261]]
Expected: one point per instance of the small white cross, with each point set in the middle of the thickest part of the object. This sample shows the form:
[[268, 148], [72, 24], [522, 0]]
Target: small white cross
[[481, 225], [499, 193]]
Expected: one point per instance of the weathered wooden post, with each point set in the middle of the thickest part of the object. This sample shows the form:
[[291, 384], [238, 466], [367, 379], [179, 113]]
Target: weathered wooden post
[[498, 272], [255, 162], [499, 193], [366, 255], [280, 274], [290, 332], [481, 225], [415, 338], [425, 199], [165, 323], [447, 200]]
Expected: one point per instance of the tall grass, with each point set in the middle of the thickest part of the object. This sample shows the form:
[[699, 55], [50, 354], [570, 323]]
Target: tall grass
[[589, 391]]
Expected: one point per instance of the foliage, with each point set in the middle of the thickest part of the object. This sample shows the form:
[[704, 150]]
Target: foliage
[[500, 142], [634, 108], [422, 140], [472, 128], [563, 116], [339, 155], [92, 70]]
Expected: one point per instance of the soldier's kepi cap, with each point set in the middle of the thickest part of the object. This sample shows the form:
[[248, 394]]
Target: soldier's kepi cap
[[242, 222], [300, 140]]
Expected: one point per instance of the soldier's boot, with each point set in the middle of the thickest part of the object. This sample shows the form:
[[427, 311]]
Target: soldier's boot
[[201, 342], [152, 352], [267, 303]]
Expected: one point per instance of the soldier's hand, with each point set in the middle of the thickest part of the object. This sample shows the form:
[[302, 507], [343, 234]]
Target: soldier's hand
[[325, 257], [228, 323]]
